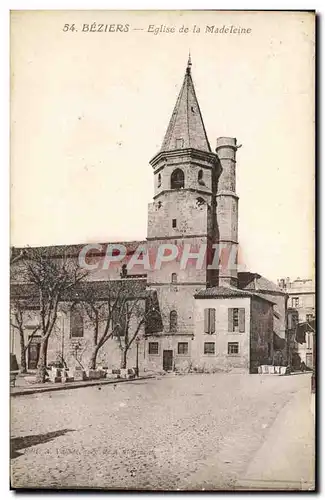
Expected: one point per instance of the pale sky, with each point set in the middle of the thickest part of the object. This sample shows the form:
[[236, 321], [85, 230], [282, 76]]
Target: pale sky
[[90, 109]]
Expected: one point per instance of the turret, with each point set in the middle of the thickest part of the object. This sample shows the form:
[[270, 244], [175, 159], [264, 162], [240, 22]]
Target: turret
[[227, 211]]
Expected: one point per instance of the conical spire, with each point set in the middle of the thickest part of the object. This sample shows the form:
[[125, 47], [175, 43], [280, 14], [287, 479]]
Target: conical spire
[[186, 128]]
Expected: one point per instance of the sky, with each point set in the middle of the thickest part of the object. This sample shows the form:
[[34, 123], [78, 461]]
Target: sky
[[89, 109]]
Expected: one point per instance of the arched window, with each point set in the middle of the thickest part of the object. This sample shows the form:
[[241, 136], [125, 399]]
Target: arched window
[[159, 180], [177, 179], [174, 278], [76, 321], [200, 177], [173, 321]]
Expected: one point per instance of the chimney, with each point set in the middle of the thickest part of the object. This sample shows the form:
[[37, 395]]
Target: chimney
[[227, 212]]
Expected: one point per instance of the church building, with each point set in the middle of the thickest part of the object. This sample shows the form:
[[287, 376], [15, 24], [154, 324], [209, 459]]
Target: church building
[[212, 317]]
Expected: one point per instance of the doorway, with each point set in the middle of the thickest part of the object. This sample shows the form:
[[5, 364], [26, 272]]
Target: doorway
[[168, 360], [33, 354]]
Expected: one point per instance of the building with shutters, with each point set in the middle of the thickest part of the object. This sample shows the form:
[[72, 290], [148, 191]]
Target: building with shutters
[[211, 317], [301, 306], [233, 330]]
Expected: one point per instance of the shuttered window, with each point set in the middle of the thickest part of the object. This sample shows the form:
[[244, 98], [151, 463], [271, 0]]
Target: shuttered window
[[236, 319], [209, 321], [241, 314]]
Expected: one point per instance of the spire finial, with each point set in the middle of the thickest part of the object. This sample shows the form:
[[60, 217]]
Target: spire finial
[[189, 63]]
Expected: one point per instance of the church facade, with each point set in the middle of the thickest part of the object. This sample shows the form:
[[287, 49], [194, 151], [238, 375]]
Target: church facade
[[211, 317]]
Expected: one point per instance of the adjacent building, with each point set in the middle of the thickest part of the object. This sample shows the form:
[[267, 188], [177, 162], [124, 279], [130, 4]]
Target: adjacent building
[[302, 311]]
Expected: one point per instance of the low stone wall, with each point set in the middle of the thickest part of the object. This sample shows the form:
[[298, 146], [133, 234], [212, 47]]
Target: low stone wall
[[272, 370], [127, 373]]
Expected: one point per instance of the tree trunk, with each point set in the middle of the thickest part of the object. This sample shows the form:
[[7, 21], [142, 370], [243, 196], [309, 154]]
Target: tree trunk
[[41, 366], [23, 367], [93, 358], [124, 358]]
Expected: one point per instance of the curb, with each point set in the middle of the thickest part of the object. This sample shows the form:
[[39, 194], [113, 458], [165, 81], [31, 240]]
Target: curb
[[75, 385], [313, 405]]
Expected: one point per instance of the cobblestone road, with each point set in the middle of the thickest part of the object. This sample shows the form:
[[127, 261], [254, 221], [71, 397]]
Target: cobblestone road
[[184, 432]]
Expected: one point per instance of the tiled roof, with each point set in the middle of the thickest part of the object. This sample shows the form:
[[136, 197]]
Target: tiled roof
[[226, 292], [135, 288], [74, 250], [186, 122], [256, 282]]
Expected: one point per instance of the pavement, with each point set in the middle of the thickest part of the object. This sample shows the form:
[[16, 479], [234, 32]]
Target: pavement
[[192, 432], [286, 458]]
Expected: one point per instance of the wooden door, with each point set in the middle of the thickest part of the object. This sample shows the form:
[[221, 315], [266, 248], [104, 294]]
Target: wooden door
[[168, 360], [33, 355]]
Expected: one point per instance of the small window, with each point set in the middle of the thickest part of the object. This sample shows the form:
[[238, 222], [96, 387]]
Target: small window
[[173, 321], [209, 347], [200, 178], [76, 322], [295, 301], [174, 223], [124, 271], [236, 319], [209, 320], [182, 348], [174, 278], [159, 180], [179, 143], [153, 347], [233, 347]]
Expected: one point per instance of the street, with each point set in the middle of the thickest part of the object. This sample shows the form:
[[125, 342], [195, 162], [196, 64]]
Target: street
[[175, 432]]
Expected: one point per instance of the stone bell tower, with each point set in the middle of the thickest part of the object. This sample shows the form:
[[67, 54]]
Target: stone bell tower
[[183, 211]]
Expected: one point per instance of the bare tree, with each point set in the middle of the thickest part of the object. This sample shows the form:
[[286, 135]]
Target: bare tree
[[19, 309], [100, 308], [132, 317], [50, 278]]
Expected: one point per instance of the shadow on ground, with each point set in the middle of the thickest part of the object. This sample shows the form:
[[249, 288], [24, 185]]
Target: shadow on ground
[[20, 443]]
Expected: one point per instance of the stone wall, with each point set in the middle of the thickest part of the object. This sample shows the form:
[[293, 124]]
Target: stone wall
[[61, 342], [191, 217], [180, 362], [261, 346]]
